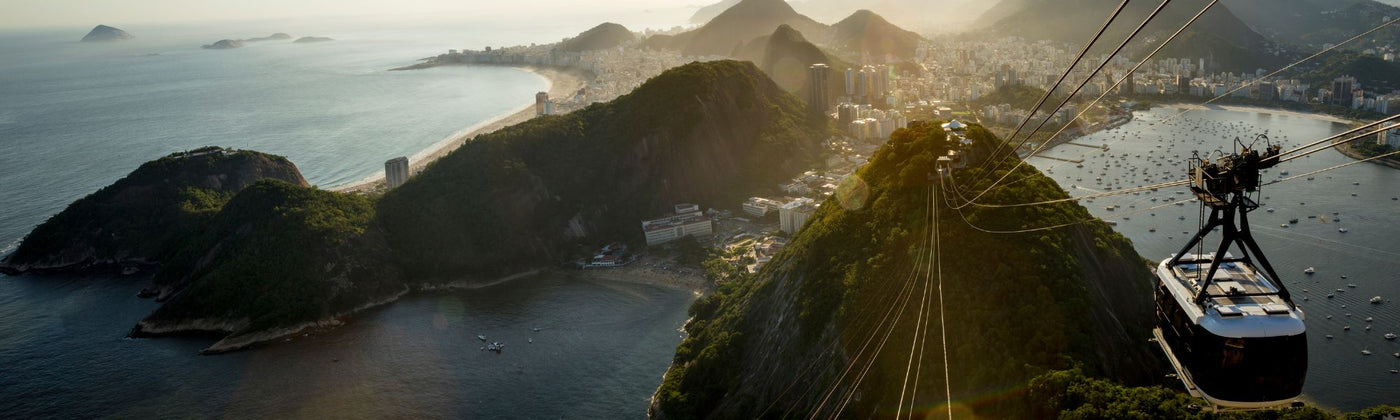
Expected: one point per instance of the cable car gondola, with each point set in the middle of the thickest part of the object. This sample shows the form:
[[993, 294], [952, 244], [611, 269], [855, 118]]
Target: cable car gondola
[[1227, 323]]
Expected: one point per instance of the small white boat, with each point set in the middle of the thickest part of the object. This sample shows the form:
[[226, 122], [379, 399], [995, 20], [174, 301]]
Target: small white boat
[[1365, 352], [1342, 230], [1390, 336], [1376, 300], [1309, 270], [481, 337]]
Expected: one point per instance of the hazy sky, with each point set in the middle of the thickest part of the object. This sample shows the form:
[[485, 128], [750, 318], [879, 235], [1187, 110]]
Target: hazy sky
[[65, 13]]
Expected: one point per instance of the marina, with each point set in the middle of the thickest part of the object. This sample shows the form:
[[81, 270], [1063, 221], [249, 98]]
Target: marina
[[1310, 254]]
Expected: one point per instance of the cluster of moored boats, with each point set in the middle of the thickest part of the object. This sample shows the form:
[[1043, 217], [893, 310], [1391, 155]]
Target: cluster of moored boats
[[498, 346]]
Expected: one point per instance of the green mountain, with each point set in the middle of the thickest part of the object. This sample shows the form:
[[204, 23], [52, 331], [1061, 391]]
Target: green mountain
[[1371, 72], [1310, 24], [1218, 36], [1018, 96], [146, 216], [1019, 305], [601, 37], [865, 33], [924, 16], [277, 258], [260, 262], [706, 13], [744, 21], [785, 56], [708, 133]]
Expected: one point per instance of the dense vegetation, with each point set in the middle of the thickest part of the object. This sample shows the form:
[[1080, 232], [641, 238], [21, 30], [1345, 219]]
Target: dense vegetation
[[147, 215], [1370, 71], [1019, 96], [1219, 36], [601, 37], [1309, 24], [1019, 305], [1069, 394], [279, 254], [707, 133]]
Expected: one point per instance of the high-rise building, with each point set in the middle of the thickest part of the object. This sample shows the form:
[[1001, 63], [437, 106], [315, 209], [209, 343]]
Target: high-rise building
[[396, 172], [1183, 84], [850, 81], [1128, 87], [793, 215], [540, 99], [845, 113], [1341, 90], [818, 82], [863, 87]]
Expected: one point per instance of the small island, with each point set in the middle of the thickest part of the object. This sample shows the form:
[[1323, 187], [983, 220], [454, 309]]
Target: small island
[[274, 37], [312, 39], [224, 44], [104, 33]]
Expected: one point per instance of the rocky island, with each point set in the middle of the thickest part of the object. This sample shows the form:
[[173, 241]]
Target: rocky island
[[104, 33], [224, 44], [312, 39], [274, 37]]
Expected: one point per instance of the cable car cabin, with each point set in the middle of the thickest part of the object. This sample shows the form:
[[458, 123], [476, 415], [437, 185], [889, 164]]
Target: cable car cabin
[[1241, 344]]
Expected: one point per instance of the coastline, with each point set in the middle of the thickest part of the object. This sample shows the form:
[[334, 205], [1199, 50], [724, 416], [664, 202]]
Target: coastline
[[1344, 149], [562, 83], [1261, 110]]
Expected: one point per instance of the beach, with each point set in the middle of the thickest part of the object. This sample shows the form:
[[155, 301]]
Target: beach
[[1262, 110], [562, 83]]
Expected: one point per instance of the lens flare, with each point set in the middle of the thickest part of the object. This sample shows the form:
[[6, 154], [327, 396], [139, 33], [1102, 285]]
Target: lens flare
[[852, 193]]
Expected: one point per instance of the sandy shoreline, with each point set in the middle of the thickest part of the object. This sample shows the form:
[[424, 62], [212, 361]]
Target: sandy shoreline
[[562, 83], [1261, 110]]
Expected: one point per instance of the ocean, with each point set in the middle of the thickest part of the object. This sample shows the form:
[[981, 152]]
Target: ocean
[[76, 117], [1360, 198]]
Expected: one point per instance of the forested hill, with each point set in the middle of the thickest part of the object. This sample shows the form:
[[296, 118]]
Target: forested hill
[[786, 56], [147, 215], [253, 259], [601, 37], [1225, 42], [706, 133], [1018, 305]]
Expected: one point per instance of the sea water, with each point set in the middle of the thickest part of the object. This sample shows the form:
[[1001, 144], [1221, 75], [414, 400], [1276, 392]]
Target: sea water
[[1362, 196], [76, 117]]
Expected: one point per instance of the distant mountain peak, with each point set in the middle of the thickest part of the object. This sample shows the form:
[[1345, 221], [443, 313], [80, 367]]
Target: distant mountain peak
[[867, 33], [103, 33], [604, 36], [744, 21]]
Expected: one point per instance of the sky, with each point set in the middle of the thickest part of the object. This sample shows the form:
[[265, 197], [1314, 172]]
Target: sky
[[70, 13]]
